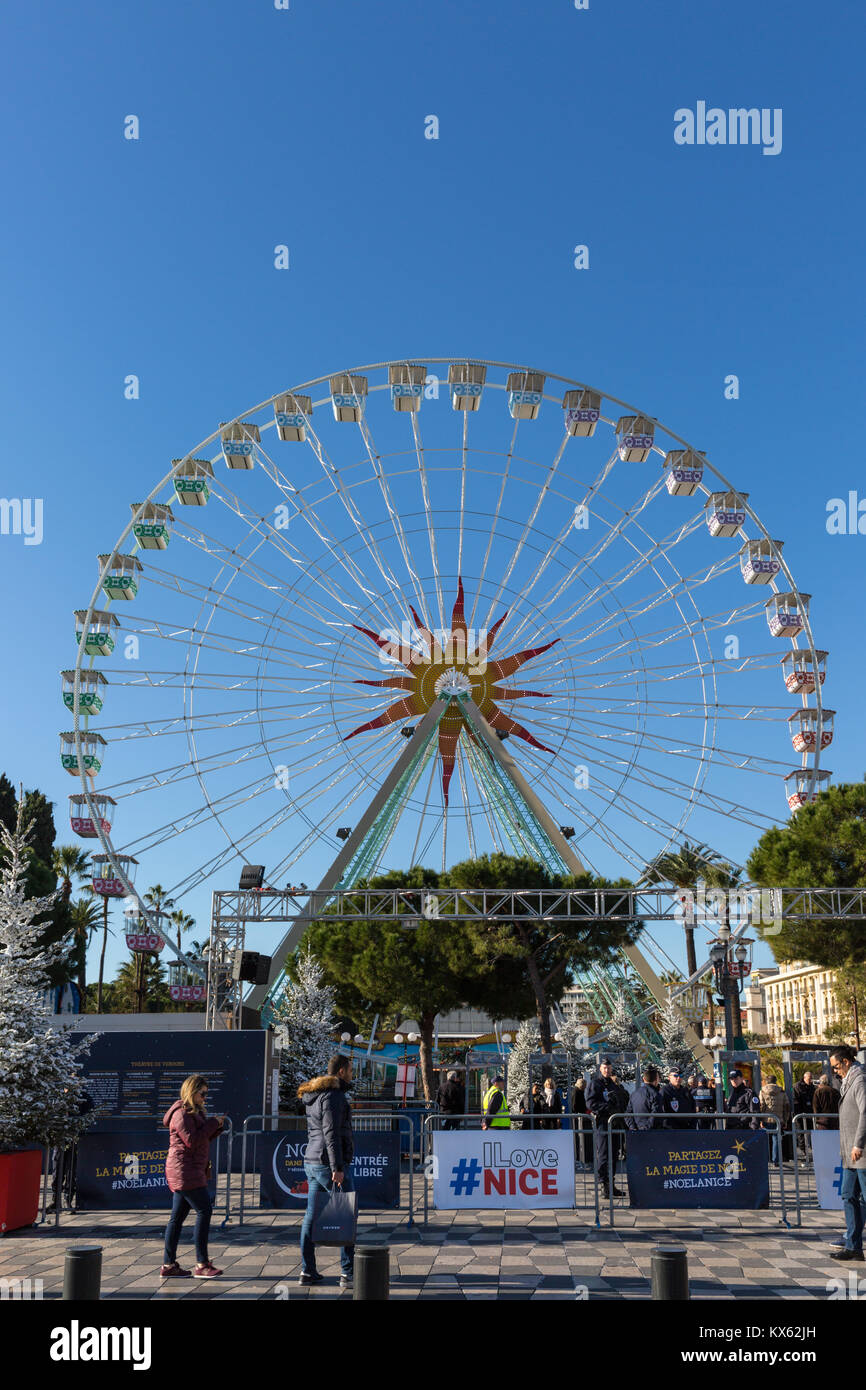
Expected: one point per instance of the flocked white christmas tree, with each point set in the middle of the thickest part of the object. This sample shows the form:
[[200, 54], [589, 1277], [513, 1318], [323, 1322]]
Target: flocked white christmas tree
[[40, 1081], [526, 1041], [622, 1035], [304, 1022], [676, 1051]]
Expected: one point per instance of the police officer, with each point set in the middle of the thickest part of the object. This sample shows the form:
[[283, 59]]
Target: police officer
[[601, 1102], [703, 1097], [494, 1111], [645, 1102], [677, 1100], [742, 1102]]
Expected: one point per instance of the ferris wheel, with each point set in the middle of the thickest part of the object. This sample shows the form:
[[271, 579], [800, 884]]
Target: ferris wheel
[[363, 612]]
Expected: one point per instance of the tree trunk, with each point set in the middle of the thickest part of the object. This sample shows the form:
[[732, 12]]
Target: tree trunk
[[856, 1019], [541, 1008], [82, 974], [691, 960], [102, 954], [425, 1053]]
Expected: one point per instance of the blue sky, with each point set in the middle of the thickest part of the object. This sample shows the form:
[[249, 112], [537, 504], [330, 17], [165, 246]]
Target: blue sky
[[305, 127]]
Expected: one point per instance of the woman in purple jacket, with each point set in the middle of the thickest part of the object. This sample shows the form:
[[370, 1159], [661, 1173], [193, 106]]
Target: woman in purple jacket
[[186, 1169]]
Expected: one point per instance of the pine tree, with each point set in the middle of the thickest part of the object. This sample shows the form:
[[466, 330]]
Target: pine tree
[[676, 1051], [304, 1020], [40, 1088], [527, 1040]]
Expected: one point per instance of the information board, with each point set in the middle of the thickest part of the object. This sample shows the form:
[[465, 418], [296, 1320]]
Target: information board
[[134, 1077]]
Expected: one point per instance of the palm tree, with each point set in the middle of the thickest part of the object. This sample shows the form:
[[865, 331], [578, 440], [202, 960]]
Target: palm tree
[[685, 868], [84, 916], [105, 934], [157, 899], [72, 864], [182, 921]]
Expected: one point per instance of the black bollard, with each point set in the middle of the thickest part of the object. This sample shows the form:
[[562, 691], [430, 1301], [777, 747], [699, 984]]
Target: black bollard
[[670, 1272], [82, 1273], [372, 1278]]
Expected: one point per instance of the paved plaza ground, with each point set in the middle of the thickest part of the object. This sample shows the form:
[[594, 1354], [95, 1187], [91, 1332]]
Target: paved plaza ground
[[459, 1256]]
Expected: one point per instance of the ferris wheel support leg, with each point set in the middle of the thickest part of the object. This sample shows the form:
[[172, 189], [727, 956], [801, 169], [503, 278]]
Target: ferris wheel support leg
[[415, 748], [569, 857]]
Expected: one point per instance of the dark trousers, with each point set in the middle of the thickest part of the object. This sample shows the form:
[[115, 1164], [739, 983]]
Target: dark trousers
[[199, 1200], [318, 1188], [604, 1158]]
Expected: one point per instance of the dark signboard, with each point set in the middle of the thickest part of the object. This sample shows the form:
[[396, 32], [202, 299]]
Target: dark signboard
[[134, 1077], [283, 1183], [708, 1168], [123, 1171]]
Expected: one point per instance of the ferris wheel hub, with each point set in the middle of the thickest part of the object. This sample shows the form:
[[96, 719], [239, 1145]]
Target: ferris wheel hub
[[453, 682]]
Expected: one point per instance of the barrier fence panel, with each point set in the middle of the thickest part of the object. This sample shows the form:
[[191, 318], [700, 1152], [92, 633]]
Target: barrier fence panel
[[116, 1170], [580, 1128], [371, 1173], [716, 1165], [817, 1163]]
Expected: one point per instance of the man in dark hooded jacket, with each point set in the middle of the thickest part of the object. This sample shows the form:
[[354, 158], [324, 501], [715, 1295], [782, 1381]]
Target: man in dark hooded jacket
[[328, 1155], [645, 1103]]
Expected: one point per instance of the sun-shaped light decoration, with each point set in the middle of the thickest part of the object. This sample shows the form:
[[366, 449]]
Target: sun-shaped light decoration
[[450, 664]]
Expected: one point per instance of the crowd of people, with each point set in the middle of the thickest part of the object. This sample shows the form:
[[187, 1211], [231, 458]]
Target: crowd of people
[[675, 1100]]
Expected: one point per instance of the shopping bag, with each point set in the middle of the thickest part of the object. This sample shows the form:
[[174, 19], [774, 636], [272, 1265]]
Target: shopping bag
[[337, 1221]]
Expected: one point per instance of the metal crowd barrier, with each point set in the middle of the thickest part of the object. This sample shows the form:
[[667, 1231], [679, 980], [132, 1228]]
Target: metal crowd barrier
[[60, 1166], [690, 1124], [804, 1167], [585, 1134], [287, 1124]]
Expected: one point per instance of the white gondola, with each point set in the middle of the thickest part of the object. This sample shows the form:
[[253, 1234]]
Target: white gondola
[[634, 438], [95, 636], [89, 697], [466, 384], [104, 879], [291, 414], [525, 391], [801, 673], [118, 575], [787, 613], [239, 440], [685, 472], [91, 756], [759, 560], [725, 513], [406, 380], [81, 817], [348, 397], [582, 410], [803, 724], [151, 527], [191, 481], [804, 785]]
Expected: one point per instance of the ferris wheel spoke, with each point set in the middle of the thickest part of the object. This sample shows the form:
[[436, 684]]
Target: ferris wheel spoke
[[428, 517], [495, 521]]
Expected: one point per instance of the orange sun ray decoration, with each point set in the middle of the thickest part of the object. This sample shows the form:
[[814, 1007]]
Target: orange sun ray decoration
[[462, 660]]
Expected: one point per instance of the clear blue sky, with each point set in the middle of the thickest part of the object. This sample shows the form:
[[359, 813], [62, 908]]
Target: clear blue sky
[[306, 127]]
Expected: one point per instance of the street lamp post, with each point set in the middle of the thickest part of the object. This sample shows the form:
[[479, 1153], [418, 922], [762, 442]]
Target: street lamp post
[[730, 969]]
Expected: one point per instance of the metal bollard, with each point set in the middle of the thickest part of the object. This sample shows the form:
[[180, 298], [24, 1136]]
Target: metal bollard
[[372, 1275], [82, 1273], [670, 1272]]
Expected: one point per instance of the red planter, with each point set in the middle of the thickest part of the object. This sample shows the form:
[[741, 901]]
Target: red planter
[[20, 1172]]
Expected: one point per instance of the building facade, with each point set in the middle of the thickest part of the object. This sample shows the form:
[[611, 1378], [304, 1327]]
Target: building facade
[[796, 991]]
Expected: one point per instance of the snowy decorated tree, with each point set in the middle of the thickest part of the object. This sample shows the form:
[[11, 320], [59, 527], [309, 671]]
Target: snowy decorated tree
[[40, 1082], [676, 1051], [304, 1022], [526, 1041], [622, 1035]]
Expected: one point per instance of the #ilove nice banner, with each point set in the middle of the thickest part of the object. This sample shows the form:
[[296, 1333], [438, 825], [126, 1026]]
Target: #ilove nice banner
[[711, 1168]]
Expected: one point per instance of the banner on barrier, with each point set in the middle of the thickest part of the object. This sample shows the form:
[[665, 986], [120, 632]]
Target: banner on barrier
[[827, 1158], [501, 1168], [704, 1169], [375, 1169], [121, 1171]]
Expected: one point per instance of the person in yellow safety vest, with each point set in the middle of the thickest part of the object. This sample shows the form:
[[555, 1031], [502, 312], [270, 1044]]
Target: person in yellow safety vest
[[494, 1111]]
